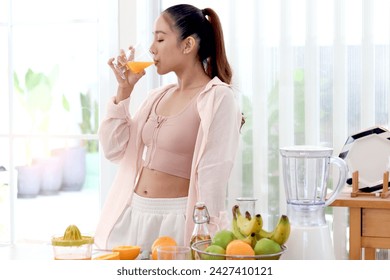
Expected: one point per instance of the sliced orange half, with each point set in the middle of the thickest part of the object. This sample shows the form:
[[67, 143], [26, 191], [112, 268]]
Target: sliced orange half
[[110, 256], [127, 252]]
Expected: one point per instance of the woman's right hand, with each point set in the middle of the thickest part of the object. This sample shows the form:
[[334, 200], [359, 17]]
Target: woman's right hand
[[127, 84]]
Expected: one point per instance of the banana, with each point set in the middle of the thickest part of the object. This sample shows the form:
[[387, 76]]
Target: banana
[[236, 231], [250, 229], [247, 224], [264, 234], [250, 239], [282, 230], [252, 225], [241, 220], [259, 220]]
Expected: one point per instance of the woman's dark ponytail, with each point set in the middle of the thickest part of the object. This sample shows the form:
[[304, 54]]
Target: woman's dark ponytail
[[217, 63], [206, 27]]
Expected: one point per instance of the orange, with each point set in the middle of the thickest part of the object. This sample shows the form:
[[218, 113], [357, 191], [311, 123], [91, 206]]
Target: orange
[[111, 256], [127, 252], [239, 248], [161, 241]]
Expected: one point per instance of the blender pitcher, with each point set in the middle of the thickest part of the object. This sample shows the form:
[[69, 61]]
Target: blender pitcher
[[305, 174]]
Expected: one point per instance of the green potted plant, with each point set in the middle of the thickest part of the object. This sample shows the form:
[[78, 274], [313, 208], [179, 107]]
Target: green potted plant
[[38, 175], [75, 158], [90, 119], [89, 125]]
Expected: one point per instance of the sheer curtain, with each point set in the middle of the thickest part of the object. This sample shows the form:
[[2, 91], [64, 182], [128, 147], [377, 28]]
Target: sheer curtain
[[306, 72]]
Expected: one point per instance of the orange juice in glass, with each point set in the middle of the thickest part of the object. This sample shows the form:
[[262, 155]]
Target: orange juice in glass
[[138, 66], [136, 59], [173, 253]]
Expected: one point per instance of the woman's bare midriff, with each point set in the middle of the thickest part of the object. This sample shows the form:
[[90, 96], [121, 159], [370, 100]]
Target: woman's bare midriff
[[157, 184]]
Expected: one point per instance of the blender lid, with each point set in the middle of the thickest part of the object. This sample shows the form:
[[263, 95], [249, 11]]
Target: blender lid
[[306, 151]]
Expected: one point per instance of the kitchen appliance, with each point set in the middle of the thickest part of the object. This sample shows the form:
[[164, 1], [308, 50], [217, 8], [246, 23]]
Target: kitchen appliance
[[305, 175]]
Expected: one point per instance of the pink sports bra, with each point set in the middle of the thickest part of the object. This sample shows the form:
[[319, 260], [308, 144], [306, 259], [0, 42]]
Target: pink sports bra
[[170, 140]]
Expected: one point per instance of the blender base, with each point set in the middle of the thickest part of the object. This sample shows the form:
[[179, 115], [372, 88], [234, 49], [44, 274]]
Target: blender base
[[309, 243]]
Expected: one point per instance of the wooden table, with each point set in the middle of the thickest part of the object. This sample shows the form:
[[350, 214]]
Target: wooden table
[[369, 224]]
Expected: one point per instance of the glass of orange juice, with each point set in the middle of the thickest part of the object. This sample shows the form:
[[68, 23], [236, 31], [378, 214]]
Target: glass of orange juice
[[174, 253], [136, 59]]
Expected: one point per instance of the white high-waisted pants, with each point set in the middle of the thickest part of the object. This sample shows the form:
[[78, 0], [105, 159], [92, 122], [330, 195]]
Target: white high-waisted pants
[[148, 218]]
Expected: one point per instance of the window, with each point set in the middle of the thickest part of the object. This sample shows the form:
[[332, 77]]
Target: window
[[50, 98]]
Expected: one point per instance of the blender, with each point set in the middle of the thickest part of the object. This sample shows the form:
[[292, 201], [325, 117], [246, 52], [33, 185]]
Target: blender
[[305, 174]]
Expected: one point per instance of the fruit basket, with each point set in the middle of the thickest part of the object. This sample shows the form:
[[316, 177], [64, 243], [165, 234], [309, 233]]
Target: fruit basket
[[200, 253]]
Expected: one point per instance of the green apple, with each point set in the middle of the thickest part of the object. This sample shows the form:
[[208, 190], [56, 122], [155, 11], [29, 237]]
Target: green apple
[[214, 249], [266, 246], [223, 238]]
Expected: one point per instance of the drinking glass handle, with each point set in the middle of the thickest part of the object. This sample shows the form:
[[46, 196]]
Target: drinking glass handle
[[343, 172]]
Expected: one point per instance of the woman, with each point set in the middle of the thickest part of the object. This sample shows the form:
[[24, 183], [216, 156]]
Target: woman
[[179, 147]]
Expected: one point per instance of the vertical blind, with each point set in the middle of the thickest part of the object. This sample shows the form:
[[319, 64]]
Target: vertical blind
[[306, 72], [319, 72]]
